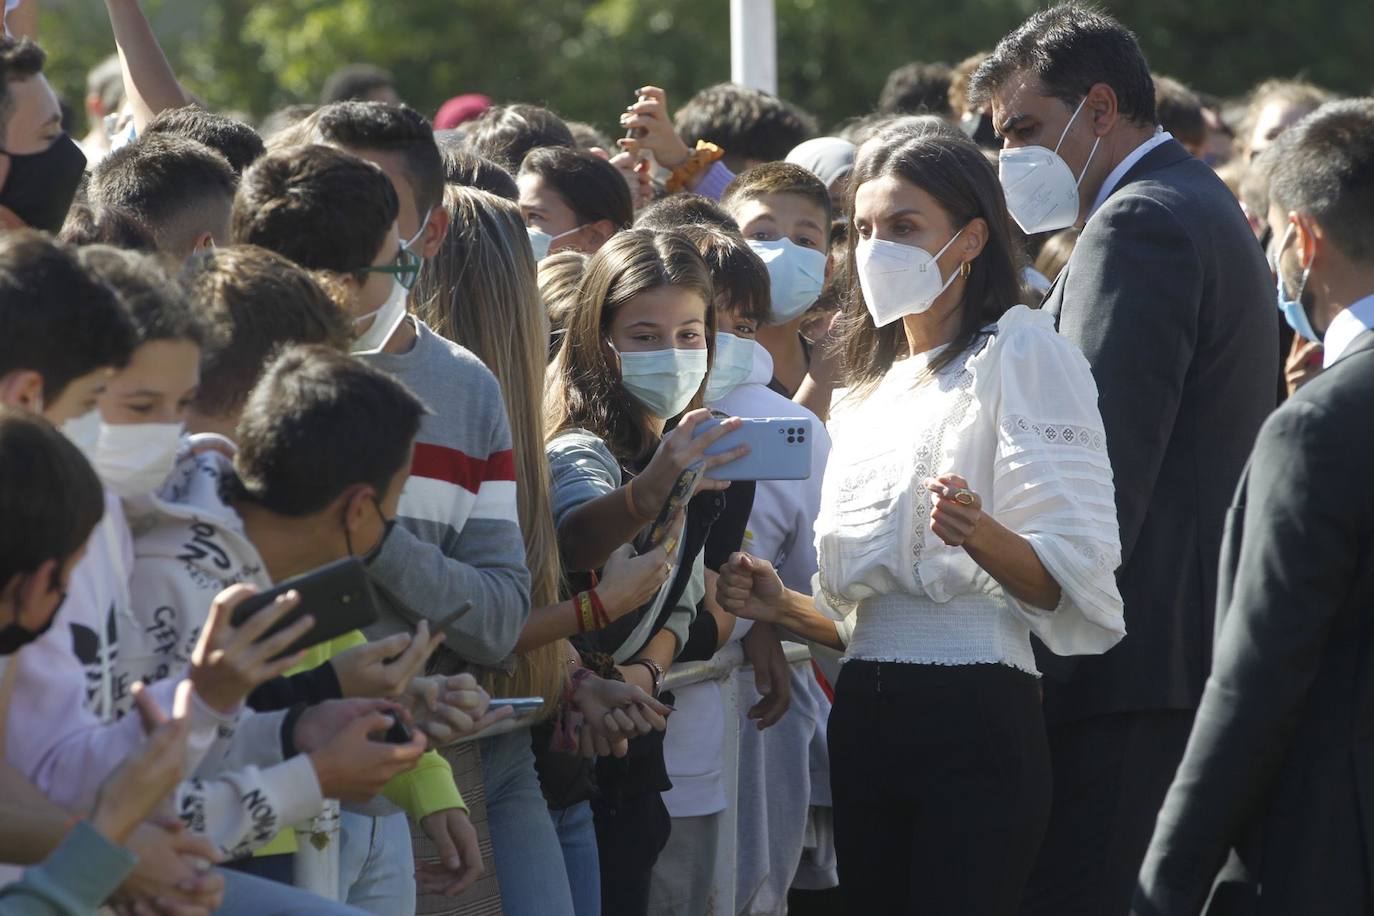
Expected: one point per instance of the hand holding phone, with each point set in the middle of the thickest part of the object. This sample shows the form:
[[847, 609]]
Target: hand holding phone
[[777, 449], [679, 450], [338, 596]]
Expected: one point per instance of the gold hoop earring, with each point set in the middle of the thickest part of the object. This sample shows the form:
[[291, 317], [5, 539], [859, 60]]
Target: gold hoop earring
[[964, 269]]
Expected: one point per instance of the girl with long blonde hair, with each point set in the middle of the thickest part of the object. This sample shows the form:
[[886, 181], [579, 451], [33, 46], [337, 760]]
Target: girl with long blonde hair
[[480, 291]]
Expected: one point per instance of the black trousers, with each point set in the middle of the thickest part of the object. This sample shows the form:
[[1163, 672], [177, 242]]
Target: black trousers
[[941, 785], [1111, 774]]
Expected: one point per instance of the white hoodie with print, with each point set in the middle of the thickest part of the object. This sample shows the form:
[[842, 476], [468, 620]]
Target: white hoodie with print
[[67, 729]]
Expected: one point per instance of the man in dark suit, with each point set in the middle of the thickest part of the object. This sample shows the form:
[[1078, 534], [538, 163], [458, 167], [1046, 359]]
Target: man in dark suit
[[1280, 765], [1168, 295]]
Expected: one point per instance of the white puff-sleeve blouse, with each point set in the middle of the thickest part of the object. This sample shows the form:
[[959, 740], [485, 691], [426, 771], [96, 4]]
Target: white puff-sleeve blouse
[[1017, 417]]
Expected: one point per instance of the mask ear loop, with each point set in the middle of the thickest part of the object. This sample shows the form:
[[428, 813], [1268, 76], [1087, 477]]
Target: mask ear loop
[[1079, 180]]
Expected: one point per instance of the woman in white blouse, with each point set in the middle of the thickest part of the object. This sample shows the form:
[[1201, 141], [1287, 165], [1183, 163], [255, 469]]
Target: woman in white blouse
[[968, 503]]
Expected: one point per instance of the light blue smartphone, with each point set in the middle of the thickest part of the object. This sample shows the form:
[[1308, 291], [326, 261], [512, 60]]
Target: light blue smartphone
[[779, 449]]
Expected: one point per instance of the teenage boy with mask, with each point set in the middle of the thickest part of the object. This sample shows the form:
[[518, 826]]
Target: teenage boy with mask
[[51, 501], [40, 166], [458, 539], [1170, 299], [784, 212]]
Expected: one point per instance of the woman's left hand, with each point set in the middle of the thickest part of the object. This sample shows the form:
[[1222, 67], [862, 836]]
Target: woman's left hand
[[957, 511]]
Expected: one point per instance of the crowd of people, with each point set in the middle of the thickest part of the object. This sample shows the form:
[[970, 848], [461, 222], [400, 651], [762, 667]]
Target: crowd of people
[[368, 458]]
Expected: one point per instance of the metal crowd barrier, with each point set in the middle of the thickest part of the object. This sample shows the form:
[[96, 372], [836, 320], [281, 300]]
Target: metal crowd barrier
[[317, 854]]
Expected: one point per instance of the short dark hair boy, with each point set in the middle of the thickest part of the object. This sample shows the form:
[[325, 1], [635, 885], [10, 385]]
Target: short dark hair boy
[[752, 127], [234, 140], [506, 133], [321, 207], [255, 302], [308, 409], [62, 332], [363, 82], [917, 88], [376, 127], [779, 178], [685, 209], [180, 189]]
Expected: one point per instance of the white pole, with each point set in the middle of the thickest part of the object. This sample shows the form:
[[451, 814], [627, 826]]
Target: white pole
[[754, 44], [317, 853]]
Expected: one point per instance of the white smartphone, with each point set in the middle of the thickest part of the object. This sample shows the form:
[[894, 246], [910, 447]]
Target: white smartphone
[[779, 449]]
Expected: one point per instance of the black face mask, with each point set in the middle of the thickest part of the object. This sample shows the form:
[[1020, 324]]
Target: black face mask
[[40, 187], [14, 637], [387, 525]]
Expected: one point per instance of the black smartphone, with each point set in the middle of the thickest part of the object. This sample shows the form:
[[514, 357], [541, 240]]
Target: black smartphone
[[339, 596], [399, 732]]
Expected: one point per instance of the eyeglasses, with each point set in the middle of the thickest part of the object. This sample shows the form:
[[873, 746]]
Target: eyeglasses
[[405, 268]]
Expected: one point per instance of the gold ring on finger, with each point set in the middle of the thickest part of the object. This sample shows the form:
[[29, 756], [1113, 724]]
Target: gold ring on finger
[[964, 497]]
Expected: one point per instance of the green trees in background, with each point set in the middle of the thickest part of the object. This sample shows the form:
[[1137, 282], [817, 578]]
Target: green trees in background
[[584, 58]]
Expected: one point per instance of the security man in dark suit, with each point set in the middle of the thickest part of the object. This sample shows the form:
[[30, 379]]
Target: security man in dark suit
[[1280, 766], [1169, 297]]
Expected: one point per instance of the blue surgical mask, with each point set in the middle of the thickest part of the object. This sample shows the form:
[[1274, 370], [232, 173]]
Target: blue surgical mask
[[732, 365], [1292, 309], [664, 381], [795, 274], [541, 241]]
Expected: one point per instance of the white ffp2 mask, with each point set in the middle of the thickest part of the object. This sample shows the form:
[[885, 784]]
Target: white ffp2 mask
[[1041, 190], [899, 280]]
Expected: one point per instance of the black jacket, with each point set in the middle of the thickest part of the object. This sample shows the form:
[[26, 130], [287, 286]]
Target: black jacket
[[1280, 765], [1169, 297]]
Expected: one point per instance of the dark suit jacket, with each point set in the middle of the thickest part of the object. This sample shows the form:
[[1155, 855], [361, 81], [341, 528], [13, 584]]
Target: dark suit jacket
[[1280, 765], [1169, 297]]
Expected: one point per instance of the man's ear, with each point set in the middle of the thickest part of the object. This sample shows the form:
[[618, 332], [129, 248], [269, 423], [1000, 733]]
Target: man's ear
[[1101, 107], [436, 229], [22, 388], [34, 604], [356, 504], [205, 242]]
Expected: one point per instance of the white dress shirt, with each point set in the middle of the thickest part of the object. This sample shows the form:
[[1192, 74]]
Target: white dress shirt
[[1345, 327], [1118, 173]]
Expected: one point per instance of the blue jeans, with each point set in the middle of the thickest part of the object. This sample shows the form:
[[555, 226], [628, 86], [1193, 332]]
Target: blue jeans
[[528, 858], [249, 895], [577, 836], [376, 863]]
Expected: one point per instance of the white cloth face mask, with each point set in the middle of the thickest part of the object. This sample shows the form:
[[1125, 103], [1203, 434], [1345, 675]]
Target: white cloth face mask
[[899, 280], [84, 432], [795, 276], [664, 381], [1041, 190], [385, 321], [134, 459], [732, 365]]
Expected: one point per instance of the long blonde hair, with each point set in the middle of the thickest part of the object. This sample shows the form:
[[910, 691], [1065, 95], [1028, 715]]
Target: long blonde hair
[[479, 291]]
